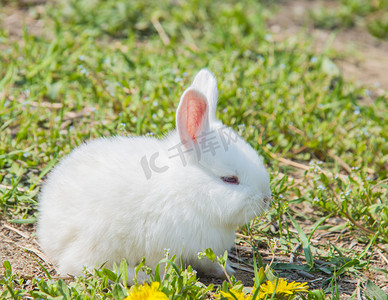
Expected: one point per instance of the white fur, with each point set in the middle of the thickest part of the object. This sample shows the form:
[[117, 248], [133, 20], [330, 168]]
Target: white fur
[[99, 206]]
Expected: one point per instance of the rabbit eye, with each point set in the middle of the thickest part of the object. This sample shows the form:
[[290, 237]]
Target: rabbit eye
[[230, 179]]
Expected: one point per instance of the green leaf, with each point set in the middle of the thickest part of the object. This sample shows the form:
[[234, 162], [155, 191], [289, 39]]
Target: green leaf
[[305, 243], [63, 289], [223, 259], [317, 295], [269, 275], [124, 271], [7, 265], [324, 179], [23, 221], [261, 275], [157, 274], [372, 291], [337, 227], [118, 292], [225, 286], [110, 274], [287, 266], [210, 254]]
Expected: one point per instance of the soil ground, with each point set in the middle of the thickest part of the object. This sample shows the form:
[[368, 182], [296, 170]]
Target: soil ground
[[364, 60]]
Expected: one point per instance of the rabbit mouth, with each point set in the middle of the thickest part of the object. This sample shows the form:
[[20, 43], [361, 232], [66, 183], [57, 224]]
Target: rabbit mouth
[[267, 200], [256, 207]]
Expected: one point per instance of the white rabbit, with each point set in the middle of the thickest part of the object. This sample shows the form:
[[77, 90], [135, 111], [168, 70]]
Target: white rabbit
[[134, 197]]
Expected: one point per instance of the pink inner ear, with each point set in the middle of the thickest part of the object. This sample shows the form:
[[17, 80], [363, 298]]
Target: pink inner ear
[[194, 110]]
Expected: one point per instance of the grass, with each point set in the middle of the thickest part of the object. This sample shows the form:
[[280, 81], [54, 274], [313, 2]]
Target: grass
[[103, 68], [349, 13]]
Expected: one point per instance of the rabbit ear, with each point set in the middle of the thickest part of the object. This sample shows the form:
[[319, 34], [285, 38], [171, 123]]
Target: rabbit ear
[[206, 83], [191, 117]]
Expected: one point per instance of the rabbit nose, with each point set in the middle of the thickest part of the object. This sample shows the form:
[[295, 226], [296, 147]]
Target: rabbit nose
[[267, 199]]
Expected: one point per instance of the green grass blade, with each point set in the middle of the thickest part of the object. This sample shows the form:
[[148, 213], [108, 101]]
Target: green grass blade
[[305, 243], [317, 224]]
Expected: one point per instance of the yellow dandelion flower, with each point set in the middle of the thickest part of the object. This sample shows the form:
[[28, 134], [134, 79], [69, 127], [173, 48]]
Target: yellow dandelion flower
[[238, 295], [281, 287], [146, 292]]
